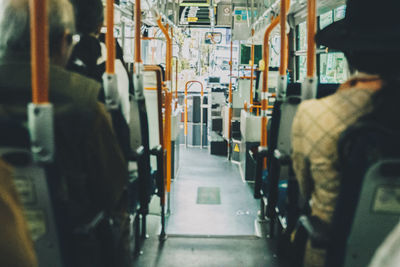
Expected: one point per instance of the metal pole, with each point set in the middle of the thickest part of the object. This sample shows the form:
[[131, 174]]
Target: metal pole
[[201, 121], [230, 102], [310, 87]]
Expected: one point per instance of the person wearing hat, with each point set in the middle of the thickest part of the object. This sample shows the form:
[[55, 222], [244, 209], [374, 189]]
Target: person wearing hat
[[369, 36]]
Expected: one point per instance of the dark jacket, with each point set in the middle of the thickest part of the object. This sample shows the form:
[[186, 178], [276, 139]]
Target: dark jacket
[[84, 60], [92, 170]]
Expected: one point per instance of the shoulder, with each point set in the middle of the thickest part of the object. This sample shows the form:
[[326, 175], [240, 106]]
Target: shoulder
[[340, 101], [73, 87]]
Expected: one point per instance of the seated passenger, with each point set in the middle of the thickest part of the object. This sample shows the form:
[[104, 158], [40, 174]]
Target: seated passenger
[[89, 164], [89, 55], [373, 55], [88, 58], [16, 246]]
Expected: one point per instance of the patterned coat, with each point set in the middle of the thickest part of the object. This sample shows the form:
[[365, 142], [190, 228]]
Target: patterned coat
[[315, 132]]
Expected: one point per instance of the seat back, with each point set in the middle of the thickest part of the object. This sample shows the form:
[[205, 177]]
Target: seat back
[[288, 110], [377, 213], [134, 125], [32, 184], [361, 218], [326, 89]]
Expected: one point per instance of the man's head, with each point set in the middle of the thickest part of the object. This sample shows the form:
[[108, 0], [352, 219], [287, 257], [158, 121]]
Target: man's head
[[15, 29]]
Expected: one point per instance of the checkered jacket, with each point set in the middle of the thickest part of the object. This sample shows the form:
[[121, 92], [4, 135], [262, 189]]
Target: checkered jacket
[[315, 133]]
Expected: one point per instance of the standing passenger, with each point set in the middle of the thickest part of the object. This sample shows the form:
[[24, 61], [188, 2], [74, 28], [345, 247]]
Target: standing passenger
[[370, 38], [90, 167]]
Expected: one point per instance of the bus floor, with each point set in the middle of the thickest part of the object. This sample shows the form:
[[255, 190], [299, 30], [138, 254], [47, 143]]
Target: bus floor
[[212, 220]]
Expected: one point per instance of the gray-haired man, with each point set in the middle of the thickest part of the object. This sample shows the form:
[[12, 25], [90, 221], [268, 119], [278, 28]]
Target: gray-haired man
[[91, 168]]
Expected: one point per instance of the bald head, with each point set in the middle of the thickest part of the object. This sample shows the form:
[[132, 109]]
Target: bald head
[[15, 29]]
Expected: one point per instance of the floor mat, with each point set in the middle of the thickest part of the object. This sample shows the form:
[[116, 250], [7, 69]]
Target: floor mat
[[208, 196]]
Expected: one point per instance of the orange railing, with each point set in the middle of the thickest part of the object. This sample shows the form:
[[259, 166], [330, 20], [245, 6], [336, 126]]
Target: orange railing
[[110, 41], [168, 102], [285, 4], [252, 71], [39, 52], [230, 100], [312, 27]]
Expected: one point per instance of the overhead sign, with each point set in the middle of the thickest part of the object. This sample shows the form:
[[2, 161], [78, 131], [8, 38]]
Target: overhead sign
[[192, 19], [203, 3], [194, 16]]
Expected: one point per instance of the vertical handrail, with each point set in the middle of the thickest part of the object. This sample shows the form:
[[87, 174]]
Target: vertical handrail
[[230, 100], [282, 85], [311, 30], [176, 82], [110, 41], [309, 88], [201, 111], [284, 38], [252, 68], [40, 111], [39, 51], [137, 14], [145, 179], [168, 100], [262, 151], [264, 94], [110, 83], [160, 165]]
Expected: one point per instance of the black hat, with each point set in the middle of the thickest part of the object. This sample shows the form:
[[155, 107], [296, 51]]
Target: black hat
[[368, 25]]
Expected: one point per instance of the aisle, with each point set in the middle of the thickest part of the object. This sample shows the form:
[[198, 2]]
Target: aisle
[[205, 230], [209, 198]]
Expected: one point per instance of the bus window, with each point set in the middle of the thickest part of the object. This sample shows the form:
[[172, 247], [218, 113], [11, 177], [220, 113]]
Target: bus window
[[275, 51], [325, 19], [339, 13], [333, 68], [302, 67], [301, 45], [302, 36]]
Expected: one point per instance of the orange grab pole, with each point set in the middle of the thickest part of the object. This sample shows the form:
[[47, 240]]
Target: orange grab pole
[[39, 51], [110, 41], [138, 51], [230, 94], [168, 101], [284, 39], [186, 107], [252, 73], [312, 27], [176, 80], [264, 100], [169, 46]]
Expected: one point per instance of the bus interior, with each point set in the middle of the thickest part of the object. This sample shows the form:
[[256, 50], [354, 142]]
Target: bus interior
[[215, 87]]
